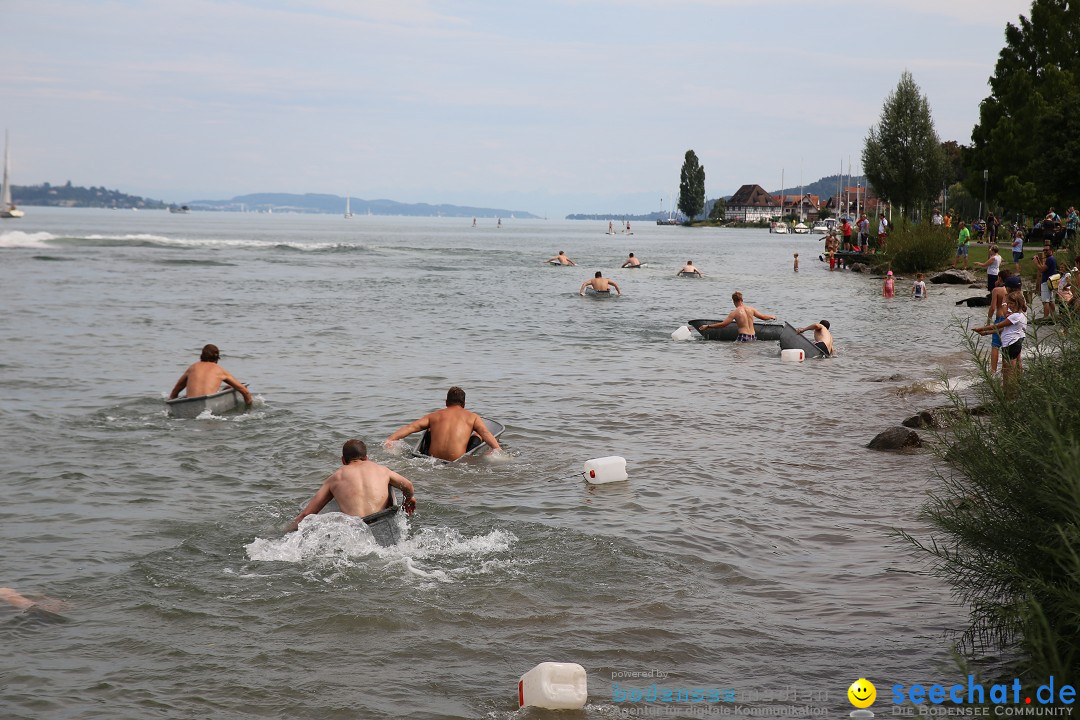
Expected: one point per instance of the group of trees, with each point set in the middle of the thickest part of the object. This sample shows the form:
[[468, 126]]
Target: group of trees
[[1026, 141], [1023, 148]]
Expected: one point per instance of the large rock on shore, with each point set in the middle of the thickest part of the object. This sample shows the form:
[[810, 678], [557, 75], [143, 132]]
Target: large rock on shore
[[860, 268], [896, 438], [952, 276]]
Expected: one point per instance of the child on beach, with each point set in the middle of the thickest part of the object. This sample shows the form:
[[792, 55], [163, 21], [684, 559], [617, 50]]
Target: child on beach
[[888, 289], [918, 290], [796, 262]]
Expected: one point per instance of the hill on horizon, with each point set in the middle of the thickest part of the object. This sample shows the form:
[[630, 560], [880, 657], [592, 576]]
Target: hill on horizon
[[322, 203]]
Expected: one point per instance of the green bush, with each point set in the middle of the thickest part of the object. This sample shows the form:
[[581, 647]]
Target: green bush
[[1007, 518], [912, 248]]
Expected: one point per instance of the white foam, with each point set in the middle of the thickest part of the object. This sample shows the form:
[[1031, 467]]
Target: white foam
[[19, 239], [439, 555], [334, 535]]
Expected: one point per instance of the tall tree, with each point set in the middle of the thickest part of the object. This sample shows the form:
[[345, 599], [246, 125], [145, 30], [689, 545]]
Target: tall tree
[[691, 186], [902, 156], [1028, 135]]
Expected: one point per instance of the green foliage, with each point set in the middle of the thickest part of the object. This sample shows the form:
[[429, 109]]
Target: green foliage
[[691, 186], [903, 157], [824, 213], [1028, 134], [916, 247], [1007, 518], [718, 209]]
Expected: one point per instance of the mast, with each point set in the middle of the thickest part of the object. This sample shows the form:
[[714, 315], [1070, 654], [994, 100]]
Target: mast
[[5, 201]]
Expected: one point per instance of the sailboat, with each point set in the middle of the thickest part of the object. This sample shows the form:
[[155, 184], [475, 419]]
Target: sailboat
[[7, 208], [348, 211]]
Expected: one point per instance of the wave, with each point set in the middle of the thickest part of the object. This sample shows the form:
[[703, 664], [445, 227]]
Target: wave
[[38, 240], [19, 239], [438, 554]]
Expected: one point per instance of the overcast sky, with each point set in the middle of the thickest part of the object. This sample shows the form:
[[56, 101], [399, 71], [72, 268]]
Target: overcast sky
[[551, 107]]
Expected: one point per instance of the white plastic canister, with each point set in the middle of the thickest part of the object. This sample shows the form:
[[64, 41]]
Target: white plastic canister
[[683, 333], [792, 355], [605, 469], [554, 685]]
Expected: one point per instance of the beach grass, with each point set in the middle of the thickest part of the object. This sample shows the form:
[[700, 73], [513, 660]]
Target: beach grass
[[1006, 517]]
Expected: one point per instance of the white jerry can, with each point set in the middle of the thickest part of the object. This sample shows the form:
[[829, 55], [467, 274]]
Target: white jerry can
[[554, 685]]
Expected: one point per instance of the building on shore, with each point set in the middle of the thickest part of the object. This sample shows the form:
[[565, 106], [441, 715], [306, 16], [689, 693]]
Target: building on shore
[[752, 203]]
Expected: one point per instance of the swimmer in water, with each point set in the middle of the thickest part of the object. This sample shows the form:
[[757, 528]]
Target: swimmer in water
[[361, 487]]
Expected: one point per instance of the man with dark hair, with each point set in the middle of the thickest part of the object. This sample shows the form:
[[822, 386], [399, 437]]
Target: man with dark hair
[[743, 316], [449, 429], [360, 486], [600, 284], [822, 335], [205, 377]]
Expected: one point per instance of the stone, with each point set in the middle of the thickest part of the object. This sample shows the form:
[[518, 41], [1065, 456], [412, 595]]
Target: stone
[[952, 276], [896, 438], [860, 268]]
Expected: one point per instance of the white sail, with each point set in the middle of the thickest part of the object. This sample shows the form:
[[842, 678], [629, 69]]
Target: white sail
[[348, 211], [7, 208]]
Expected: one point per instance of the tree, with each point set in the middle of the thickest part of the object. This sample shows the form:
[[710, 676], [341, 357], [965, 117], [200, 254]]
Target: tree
[[691, 186], [1028, 134], [902, 156], [718, 210]]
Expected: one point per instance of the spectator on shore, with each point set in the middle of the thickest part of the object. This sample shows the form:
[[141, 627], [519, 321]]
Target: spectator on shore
[[1047, 265], [1018, 248], [993, 266], [962, 240]]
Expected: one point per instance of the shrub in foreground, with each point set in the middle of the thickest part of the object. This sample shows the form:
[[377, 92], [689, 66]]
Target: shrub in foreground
[[1007, 519]]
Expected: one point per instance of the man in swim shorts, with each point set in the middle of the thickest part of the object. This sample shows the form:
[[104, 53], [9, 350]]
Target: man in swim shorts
[[743, 316], [561, 259], [206, 376], [631, 262], [450, 428], [361, 487], [822, 335], [600, 284]]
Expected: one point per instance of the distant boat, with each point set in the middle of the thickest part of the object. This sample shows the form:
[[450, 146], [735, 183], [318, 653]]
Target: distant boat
[[779, 227], [802, 228], [348, 211], [820, 228], [7, 208], [181, 209]]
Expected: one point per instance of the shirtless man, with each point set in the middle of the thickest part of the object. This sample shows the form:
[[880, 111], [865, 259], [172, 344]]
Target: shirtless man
[[689, 269], [600, 284], [631, 262], [822, 335], [743, 315], [450, 428], [205, 377], [361, 487], [561, 259]]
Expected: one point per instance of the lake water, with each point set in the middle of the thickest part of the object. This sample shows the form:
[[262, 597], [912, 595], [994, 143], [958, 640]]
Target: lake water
[[750, 549]]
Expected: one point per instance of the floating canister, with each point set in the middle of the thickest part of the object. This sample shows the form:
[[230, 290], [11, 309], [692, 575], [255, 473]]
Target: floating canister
[[555, 686], [683, 333], [605, 470], [792, 355]]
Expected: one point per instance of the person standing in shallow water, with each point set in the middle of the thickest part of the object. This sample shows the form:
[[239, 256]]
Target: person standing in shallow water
[[206, 376], [888, 288]]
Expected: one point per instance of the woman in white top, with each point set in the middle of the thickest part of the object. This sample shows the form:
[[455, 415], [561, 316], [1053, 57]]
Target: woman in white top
[[992, 265]]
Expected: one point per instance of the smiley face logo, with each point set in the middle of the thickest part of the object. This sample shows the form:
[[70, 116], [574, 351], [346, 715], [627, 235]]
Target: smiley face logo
[[862, 693]]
